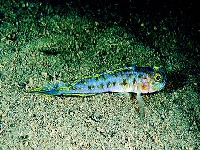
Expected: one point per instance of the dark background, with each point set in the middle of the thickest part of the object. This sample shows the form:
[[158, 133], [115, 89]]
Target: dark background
[[129, 12]]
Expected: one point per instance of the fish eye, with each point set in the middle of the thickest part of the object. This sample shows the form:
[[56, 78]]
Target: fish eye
[[157, 77]]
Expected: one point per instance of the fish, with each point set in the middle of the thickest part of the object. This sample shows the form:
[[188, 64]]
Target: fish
[[124, 80], [139, 80]]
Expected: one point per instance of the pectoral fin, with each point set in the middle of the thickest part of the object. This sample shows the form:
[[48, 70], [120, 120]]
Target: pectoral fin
[[141, 104]]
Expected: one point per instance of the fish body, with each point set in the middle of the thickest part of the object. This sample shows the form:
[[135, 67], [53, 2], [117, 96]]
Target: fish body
[[126, 80]]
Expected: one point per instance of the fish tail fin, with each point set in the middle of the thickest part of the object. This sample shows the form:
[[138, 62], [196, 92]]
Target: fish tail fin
[[58, 88], [49, 89]]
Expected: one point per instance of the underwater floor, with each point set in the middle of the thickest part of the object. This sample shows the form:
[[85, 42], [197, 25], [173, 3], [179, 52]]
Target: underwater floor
[[41, 43]]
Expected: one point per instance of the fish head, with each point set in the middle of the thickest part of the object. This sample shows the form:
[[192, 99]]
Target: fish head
[[150, 80], [157, 80]]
